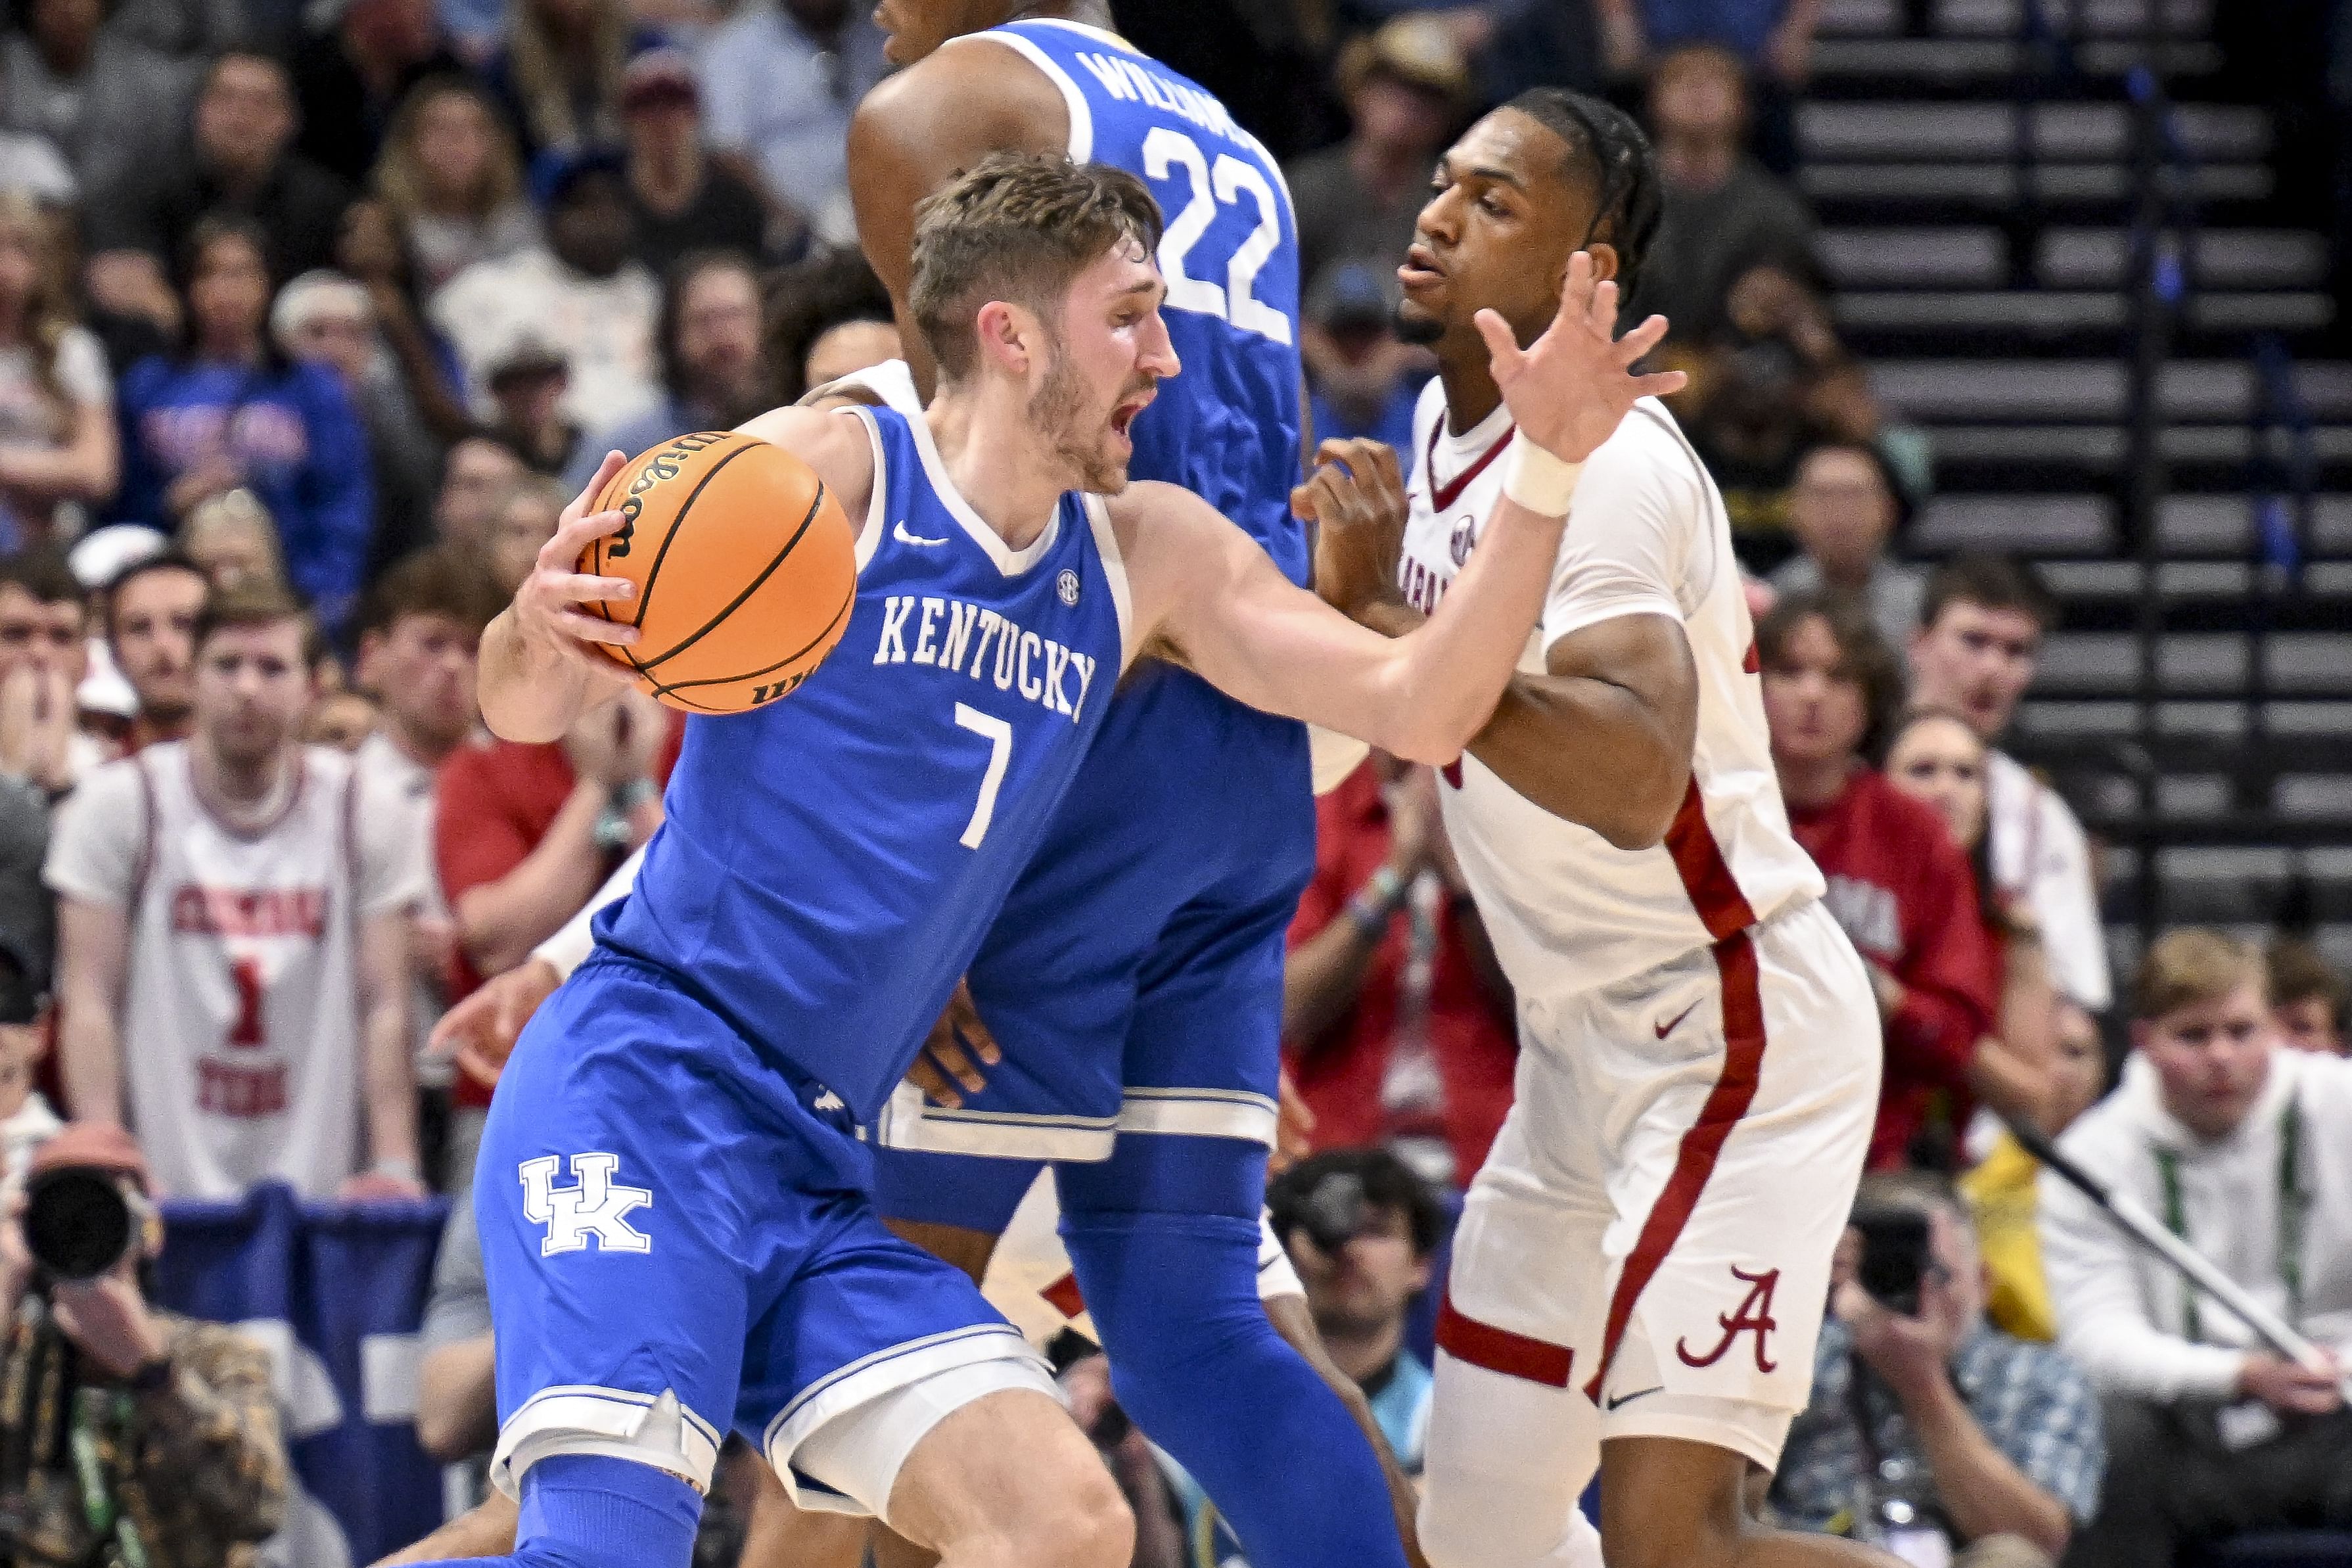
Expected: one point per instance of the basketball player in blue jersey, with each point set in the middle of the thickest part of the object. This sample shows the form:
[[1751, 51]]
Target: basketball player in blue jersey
[[1134, 977], [674, 1201]]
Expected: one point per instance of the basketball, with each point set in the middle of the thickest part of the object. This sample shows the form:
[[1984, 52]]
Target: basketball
[[745, 567]]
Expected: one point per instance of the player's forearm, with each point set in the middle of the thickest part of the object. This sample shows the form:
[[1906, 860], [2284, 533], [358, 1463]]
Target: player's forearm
[[528, 694], [90, 1058], [1452, 669], [488, 1531], [499, 923], [458, 1403], [1982, 1493]]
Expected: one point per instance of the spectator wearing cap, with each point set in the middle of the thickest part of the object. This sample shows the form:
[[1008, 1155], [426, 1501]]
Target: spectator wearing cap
[[528, 384], [779, 81], [828, 316], [326, 318], [710, 361], [59, 452], [684, 200], [240, 161], [1844, 509], [151, 623], [581, 293], [1721, 214], [108, 100], [1361, 378], [451, 181], [1407, 87], [229, 410], [2309, 997], [139, 1435], [43, 655], [353, 69]]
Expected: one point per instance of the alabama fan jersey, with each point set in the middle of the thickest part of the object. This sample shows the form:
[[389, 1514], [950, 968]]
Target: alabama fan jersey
[[1568, 910]]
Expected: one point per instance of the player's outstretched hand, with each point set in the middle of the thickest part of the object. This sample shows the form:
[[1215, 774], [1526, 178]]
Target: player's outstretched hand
[[1356, 498], [1571, 387], [546, 606], [479, 1032], [958, 1045]]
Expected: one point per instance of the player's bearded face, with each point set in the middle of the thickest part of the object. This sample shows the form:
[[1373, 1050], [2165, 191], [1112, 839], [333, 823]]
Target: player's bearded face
[[1078, 421]]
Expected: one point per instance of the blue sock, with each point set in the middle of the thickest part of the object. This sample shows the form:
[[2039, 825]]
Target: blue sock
[[585, 1511], [1197, 1365]]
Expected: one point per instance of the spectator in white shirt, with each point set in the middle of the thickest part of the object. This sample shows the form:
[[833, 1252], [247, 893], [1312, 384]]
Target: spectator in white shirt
[[581, 293], [233, 936], [2244, 1150], [1973, 652]]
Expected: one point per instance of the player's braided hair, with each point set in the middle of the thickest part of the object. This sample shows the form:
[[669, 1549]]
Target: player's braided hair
[[1626, 195], [1018, 226]]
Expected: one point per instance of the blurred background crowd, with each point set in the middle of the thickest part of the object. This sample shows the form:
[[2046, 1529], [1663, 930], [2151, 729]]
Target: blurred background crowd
[[312, 318]]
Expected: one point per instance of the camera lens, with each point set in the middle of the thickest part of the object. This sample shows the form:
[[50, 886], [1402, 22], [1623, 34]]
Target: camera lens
[[77, 1222]]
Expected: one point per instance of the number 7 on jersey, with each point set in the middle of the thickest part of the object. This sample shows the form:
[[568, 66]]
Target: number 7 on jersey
[[999, 753]]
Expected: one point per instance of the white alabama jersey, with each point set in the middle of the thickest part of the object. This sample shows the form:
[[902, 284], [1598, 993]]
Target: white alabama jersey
[[1568, 911], [241, 1035]]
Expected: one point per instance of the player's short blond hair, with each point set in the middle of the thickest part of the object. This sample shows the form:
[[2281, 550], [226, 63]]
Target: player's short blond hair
[[1018, 226], [2183, 968]]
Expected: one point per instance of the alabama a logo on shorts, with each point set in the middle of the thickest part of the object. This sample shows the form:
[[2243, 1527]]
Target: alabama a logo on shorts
[[594, 1205]]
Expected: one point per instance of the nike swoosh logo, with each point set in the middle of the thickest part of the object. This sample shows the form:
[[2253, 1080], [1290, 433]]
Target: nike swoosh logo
[[1668, 1027], [903, 537], [1629, 1398]]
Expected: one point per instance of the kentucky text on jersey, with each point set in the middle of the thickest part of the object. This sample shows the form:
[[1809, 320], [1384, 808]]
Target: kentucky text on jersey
[[249, 911], [1130, 79], [945, 629]]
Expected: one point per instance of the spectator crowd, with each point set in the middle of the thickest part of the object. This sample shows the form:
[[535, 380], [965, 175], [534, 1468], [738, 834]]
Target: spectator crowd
[[312, 321]]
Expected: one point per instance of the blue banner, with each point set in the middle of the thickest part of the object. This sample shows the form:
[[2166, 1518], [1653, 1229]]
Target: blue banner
[[335, 1293]]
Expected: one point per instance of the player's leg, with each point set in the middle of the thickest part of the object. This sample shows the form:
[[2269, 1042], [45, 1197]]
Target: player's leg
[[1731, 1188], [1513, 1437], [885, 1385]]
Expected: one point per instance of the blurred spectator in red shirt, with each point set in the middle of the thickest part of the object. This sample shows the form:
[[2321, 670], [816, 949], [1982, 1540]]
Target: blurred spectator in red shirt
[[1897, 883], [524, 835], [1397, 1021]]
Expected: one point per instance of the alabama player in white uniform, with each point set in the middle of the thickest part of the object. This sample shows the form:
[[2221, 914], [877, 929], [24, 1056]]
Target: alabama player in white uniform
[[1643, 1262], [233, 937]]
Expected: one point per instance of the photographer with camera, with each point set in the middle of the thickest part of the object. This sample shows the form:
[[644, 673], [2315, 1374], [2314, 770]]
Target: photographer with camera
[[128, 1435], [1929, 1432]]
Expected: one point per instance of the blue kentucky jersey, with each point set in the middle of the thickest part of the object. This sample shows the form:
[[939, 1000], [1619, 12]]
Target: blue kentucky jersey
[[829, 862], [1226, 428]]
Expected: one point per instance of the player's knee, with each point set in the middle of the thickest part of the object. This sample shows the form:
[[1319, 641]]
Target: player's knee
[[1087, 1524], [1470, 1527]]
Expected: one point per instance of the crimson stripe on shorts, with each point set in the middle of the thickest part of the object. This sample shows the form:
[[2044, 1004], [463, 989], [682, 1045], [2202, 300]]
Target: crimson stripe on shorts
[[1500, 1349], [1063, 1296], [1706, 877], [1702, 1145]]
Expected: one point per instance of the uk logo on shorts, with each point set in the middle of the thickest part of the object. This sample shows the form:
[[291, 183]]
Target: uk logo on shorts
[[594, 1205]]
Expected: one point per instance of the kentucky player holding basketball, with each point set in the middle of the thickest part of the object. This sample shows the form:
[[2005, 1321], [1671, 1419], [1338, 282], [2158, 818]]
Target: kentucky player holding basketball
[[683, 1240], [1642, 1264]]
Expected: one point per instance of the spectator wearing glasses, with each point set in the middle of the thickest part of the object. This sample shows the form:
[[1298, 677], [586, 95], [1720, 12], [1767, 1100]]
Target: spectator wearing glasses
[[1980, 629], [1929, 1432], [2244, 1151], [43, 654], [779, 81]]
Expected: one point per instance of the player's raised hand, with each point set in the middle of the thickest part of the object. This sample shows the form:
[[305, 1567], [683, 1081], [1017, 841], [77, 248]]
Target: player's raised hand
[[1356, 498], [546, 606], [1571, 387]]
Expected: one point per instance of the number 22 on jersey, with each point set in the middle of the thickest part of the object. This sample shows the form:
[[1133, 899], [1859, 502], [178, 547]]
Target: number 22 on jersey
[[1166, 153]]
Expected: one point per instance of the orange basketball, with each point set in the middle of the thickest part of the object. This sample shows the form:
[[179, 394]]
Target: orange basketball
[[745, 568]]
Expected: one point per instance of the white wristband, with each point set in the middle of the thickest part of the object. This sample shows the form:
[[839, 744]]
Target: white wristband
[[1538, 479]]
